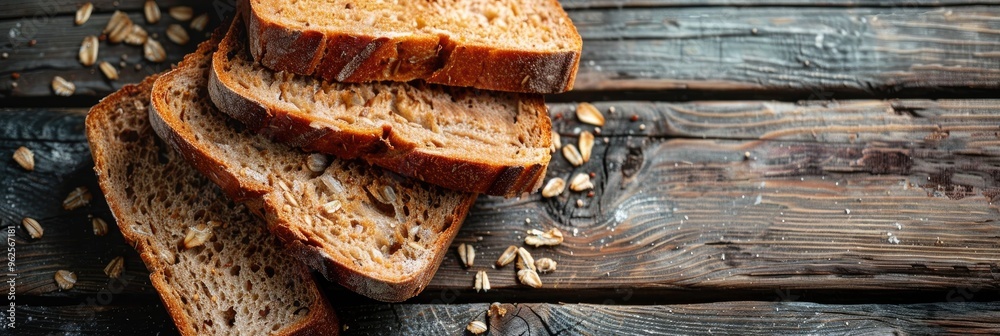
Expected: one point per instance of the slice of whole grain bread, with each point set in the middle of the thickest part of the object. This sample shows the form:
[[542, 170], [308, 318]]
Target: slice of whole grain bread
[[240, 281], [509, 45], [376, 233], [462, 139]]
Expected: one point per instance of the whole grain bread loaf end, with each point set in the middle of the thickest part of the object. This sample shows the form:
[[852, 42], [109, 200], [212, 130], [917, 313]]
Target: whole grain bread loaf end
[[240, 280], [374, 232], [459, 138], [510, 45]]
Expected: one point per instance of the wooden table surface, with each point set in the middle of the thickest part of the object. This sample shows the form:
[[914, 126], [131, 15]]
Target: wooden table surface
[[777, 166]]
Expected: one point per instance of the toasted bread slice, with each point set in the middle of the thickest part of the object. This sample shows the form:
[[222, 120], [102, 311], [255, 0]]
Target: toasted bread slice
[[462, 139], [240, 280], [377, 233], [511, 45]]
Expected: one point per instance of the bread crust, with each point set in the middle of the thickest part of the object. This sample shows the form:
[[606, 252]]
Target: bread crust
[[321, 320], [350, 57], [384, 148], [260, 199]]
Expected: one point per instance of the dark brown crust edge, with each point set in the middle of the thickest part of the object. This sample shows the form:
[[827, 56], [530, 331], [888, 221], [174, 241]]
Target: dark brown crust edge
[[259, 200], [386, 149], [322, 320], [349, 57]]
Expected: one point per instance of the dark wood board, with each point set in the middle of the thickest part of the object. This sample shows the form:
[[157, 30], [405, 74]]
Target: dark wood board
[[695, 214], [36, 10], [62, 163], [740, 318], [876, 51], [743, 318], [966, 125], [56, 54], [110, 317]]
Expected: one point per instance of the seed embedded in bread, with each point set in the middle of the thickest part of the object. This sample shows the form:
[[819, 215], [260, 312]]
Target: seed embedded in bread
[[331, 206], [317, 162], [197, 236]]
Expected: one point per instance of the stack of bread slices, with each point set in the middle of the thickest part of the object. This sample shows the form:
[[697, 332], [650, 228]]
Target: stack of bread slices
[[350, 138]]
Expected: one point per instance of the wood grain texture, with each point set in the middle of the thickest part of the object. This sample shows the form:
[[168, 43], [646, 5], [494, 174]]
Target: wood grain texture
[[145, 318], [740, 318], [670, 214], [893, 211], [584, 4], [36, 10], [873, 51], [967, 125], [62, 163], [744, 318], [56, 54]]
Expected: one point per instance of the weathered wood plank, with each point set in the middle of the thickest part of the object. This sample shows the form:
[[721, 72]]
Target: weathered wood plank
[[870, 51], [584, 4], [967, 125], [38, 11], [111, 318], [699, 214], [899, 196], [744, 318], [56, 54], [727, 318], [62, 163]]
